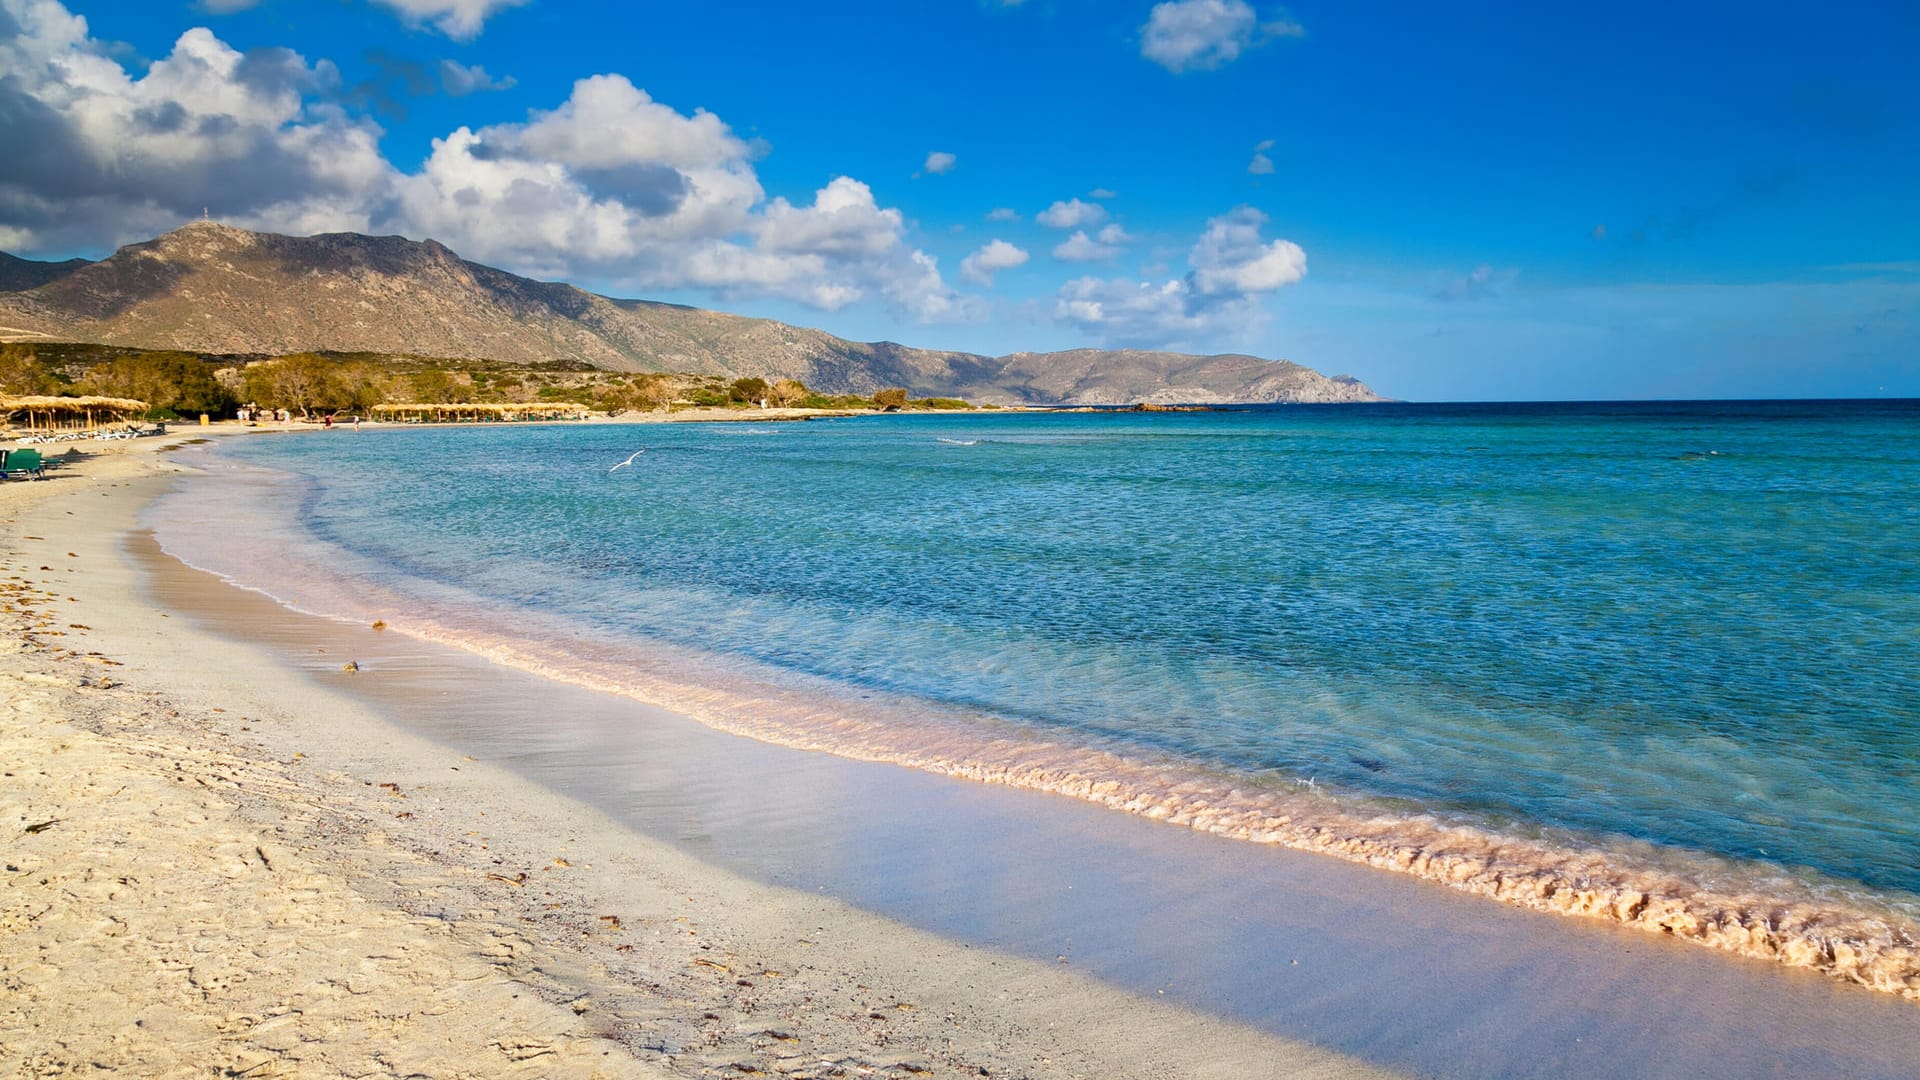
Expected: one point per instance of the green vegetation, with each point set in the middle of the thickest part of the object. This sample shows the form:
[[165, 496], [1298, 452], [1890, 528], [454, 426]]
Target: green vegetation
[[22, 373], [748, 391], [171, 383], [309, 384]]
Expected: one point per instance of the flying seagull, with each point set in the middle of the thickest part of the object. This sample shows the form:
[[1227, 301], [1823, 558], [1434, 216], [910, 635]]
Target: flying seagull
[[627, 462]]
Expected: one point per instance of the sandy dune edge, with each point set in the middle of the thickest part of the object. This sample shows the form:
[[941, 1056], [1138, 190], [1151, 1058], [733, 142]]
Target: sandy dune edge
[[246, 875]]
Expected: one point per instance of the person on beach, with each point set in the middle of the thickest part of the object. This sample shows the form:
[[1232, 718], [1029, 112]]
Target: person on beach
[[327, 421]]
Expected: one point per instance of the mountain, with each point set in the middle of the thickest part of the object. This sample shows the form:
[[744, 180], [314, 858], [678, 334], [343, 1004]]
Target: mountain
[[217, 289], [19, 275]]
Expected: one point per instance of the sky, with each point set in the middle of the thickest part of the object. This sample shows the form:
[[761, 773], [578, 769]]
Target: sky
[[1464, 201]]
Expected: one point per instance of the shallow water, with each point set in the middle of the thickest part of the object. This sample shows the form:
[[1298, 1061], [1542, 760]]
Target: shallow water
[[1635, 650], [1392, 970]]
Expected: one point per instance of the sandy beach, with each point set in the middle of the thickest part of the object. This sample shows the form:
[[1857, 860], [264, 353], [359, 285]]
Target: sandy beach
[[227, 853], [215, 866]]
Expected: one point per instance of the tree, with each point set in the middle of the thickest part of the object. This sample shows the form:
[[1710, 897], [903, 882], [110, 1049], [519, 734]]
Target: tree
[[21, 371], [301, 382], [435, 386], [361, 386], [650, 393], [749, 390], [177, 382], [788, 392], [893, 397]]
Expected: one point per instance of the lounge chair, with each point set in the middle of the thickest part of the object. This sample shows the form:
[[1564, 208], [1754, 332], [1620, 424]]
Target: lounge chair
[[21, 462]]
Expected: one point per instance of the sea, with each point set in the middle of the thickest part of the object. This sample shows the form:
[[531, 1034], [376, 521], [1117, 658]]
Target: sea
[[1559, 653]]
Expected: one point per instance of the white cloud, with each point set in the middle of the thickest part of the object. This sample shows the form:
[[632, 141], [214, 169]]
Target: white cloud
[[843, 220], [1231, 267], [1230, 257], [1134, 312], [940, 162], [1261, 165], [1072, 214], [95, 154], [225, 7], [995, 256], [459, 80], [1189, 35], [1114, 234], [458, 19], [1003, 213], [1082, 248], [610, 185], [1103, 193]]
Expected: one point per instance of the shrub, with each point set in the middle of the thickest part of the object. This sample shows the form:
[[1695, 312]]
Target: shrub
[[788, 392]]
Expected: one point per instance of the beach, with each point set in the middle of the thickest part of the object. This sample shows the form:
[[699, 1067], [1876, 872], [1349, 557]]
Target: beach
[[217, 866], [260, 862]]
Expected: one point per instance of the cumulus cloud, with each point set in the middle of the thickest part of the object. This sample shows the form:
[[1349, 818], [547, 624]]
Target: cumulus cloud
[[1231, 266], [95, 154], [1072, 214], [1199, 35], [1231, 258], [995, 256], [1083, 248], [617, 185], [1003, 213], [459, 80], [609, 185], [225, 7], [940, 162], [458, 19], [1102, 193]]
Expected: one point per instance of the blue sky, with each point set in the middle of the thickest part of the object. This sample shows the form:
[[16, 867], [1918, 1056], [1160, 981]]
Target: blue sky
[[1449, 201]]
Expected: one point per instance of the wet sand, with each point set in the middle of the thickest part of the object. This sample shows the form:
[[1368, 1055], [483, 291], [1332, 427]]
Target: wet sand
[[217, 863], [1379, 966], [778, 908]]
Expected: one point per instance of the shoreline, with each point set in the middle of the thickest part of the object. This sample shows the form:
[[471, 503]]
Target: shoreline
[[251, 808], [1817, 924], [492, 873]]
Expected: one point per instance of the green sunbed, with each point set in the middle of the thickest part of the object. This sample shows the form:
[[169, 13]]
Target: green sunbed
[[22, 463]]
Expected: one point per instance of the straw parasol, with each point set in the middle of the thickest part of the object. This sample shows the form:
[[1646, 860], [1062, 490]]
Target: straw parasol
[[70, 413]]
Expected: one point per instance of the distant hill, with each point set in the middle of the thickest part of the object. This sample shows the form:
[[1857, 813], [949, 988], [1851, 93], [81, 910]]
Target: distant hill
[[19, 275], [217, 289]]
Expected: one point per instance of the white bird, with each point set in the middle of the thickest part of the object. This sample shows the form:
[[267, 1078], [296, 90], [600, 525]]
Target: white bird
[[627, 462]]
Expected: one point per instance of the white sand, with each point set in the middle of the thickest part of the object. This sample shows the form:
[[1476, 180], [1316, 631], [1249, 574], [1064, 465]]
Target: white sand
[[247, 875]]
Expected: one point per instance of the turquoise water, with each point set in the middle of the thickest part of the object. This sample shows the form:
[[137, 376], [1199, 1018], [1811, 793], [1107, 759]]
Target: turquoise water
[[1696, 626]]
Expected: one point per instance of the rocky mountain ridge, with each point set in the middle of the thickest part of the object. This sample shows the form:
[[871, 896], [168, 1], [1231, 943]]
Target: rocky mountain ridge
[[19, 275], [213, 288]]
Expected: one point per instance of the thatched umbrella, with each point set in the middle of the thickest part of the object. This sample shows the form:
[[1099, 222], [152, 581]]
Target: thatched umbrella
[[70, 413]]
